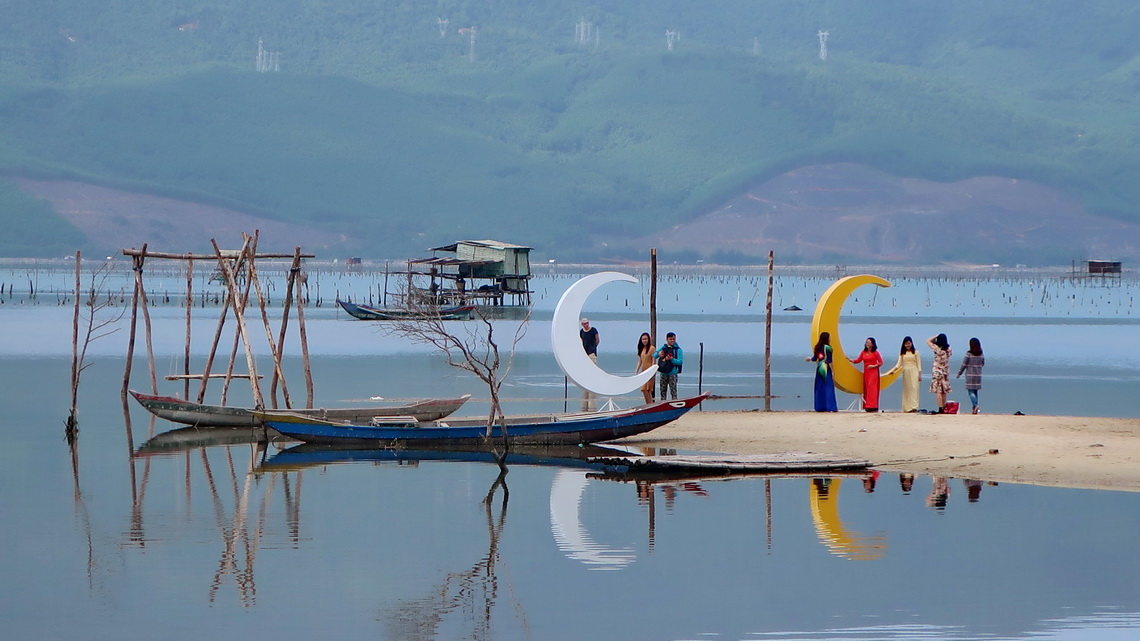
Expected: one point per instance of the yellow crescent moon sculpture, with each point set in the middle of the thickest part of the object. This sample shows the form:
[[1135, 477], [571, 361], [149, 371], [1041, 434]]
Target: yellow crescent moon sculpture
[[847, 377]]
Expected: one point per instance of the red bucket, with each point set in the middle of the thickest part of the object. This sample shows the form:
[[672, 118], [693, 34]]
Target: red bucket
[[951, 407]]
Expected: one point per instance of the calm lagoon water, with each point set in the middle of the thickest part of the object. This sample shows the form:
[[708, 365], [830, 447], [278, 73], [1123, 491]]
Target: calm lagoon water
[[231, 542]]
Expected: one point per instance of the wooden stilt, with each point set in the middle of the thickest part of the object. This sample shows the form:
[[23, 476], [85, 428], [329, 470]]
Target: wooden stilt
[[189, 308], [274, 349], [239, 315], [303, 336], [131, 335], [139, 260], [768, 337]]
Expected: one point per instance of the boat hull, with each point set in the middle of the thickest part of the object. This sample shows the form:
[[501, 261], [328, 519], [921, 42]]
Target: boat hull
[[592, 427], [365, 312], [200, 415]]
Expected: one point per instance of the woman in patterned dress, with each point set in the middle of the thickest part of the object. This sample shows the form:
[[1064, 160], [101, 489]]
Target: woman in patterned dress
[[940, 372]]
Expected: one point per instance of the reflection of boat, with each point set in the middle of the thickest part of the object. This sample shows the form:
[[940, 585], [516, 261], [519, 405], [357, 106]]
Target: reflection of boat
[[189, 438], [585, 427], [199, 415], [366, 312], [308, 455]]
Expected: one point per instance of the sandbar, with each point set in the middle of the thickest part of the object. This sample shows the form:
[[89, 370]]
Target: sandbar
[[1062, 451]]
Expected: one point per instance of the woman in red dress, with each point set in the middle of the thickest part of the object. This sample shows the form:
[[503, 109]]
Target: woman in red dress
[[872, 362]]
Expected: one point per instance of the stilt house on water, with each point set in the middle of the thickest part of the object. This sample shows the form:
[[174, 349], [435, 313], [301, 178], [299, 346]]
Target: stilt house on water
[[473, 272]]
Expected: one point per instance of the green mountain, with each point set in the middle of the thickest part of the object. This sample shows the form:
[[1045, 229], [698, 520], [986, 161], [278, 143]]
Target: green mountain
[[402, 125]]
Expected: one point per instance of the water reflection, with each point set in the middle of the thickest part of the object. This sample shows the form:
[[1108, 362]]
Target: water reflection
[[823, 494], [432, 554], [239, 505], [473, 591], [569, 532]]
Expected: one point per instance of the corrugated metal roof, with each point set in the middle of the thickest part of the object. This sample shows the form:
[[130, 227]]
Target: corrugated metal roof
[[494, 244], [448, 262]]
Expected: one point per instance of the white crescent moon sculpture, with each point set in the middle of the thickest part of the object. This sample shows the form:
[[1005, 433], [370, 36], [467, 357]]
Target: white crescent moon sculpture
[[567, 344]]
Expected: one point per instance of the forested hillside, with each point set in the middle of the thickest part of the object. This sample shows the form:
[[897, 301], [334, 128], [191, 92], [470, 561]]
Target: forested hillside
[[408, 124]]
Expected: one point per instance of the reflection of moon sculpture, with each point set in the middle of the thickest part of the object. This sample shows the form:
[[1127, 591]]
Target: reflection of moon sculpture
[[569, 533], [568, 345], [847, 377], [831, 531]]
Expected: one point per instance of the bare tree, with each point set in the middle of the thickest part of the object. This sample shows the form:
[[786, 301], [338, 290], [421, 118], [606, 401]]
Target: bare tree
[[95, 323], [469, 345]]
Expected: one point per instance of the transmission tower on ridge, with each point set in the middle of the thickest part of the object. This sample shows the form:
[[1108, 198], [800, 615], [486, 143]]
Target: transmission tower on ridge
[[442, 24], [823, 44], [471, 31], [671, 37], [267, 60]]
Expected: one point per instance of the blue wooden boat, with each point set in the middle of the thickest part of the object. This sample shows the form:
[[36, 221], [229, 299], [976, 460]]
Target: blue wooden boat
[[369, 313], [548, 429]]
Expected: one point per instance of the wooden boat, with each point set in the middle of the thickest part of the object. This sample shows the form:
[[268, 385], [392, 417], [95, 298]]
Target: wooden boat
[[200, 415], [366, 312], [549, 429]]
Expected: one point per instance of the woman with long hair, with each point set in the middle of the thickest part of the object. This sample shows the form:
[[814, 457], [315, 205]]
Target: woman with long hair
[[940, 371], [645, 360], [910, 362], [824, 381], [872, 362], [972, 364]]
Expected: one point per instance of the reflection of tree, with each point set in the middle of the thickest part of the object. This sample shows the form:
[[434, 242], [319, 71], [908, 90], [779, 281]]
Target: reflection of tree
[[473, 592]]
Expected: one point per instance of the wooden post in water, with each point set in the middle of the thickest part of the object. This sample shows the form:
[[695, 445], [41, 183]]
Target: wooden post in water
[[138, 267], [131, 335], [189, 307], [653, 296], [768, 338], [239, 315], [274, 349], [290, 281], [301, 332]]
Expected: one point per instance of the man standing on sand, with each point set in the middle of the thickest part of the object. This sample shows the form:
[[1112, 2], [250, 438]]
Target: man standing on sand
[[590, 340], [669, 361]]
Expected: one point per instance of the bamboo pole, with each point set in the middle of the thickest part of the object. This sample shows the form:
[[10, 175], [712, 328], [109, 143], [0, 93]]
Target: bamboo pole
[[131, 336], [139, 260], [274, 349], [290, 281], [239, 315], [213, 348], [302, 335], [227, 253], [189, 307], [653, 295], [768, 338]]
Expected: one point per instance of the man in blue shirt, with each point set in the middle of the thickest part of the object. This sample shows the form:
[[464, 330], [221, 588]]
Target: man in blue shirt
[[669, 360]]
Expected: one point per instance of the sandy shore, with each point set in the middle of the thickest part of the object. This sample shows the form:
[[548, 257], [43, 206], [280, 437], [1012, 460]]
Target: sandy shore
[[1068, 451]]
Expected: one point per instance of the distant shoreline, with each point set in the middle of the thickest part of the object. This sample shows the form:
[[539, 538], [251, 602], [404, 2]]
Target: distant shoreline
[[956, 270]]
